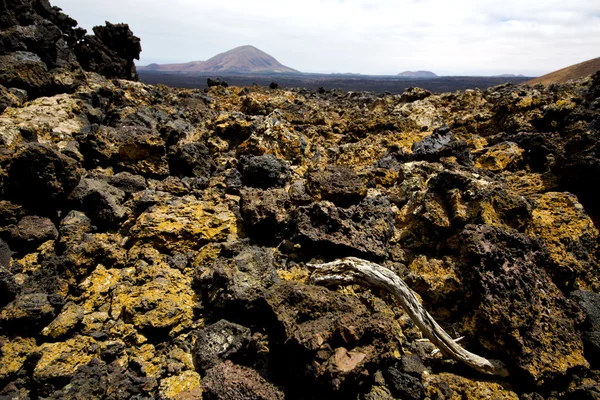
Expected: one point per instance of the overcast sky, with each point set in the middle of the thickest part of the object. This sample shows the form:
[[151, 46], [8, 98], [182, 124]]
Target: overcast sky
[[460, 37]]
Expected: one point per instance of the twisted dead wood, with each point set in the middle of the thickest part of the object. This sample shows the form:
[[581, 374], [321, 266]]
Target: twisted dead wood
[[353, 270]]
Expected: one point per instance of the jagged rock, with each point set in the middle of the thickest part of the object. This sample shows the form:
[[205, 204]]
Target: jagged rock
[[7, 99], [414, 94], [365, 228], [31, 231], [570, 237], [191, 159], [441, 143], [24, 70], [100, 200], [275, 136], [316, 326], [238, 278], [449, 386], [14, 354], [61, 360], [71, 314], [142, 152], [8, 286], [185, 386], [127, 182], [174, 131], [41, 177], [233, 382], [264, 172], [338, 184], [500, 157], [513, 322], [403, 385], [110, 51], [48, 120], [265, 213], [590, 302], [27, 311], [218, 342], [185, 223], [541, 149]]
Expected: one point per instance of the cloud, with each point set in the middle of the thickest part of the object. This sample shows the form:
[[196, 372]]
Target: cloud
[[365, 36]]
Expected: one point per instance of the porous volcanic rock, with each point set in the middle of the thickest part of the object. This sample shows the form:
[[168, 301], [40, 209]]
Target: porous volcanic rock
[[157, 242]]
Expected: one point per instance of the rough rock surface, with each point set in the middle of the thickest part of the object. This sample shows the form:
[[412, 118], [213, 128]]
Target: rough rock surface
[[155, 242]]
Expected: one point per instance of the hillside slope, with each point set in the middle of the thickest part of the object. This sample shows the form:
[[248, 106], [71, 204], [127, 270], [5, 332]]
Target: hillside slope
[[563, 75], [243, 59]]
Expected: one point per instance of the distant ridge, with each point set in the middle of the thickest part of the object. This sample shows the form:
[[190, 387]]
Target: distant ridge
[[576, 71], [243, 59], [417, 74]]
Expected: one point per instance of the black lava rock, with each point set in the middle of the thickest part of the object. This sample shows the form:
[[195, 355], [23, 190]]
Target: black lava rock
[[264, 171]]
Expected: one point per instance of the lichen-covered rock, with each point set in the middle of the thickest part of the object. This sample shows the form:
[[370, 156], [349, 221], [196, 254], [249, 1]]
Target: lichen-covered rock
[[185, 223], [14, 354], [570, 236], [201, 207], [450, 386], [218, 342], [500, 157], [186, 386], [47, 120], [61, 360], [517, 310]]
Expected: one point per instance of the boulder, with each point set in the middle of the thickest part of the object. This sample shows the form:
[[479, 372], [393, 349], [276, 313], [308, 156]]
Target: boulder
[[218, 342], [31, 231], [442, 143], [191, 159], [229, 381], [338, 184], [363, 229], [110, 51], [40, 176], [264, 172], [100, 200]]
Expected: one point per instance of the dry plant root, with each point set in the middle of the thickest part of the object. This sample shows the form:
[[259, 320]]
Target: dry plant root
[[352, 270]]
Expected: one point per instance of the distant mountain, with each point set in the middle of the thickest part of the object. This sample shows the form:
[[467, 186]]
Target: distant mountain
[[509, 76], [244, 59], [576, 71], [417, 74]]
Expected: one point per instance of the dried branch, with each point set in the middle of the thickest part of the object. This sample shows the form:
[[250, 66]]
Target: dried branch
[[353, 270]]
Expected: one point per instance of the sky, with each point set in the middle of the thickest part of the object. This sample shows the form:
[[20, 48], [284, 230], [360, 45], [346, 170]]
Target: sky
[[377, 37]]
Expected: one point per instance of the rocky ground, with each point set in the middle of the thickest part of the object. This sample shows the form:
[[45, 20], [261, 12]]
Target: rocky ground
[[155, 241]]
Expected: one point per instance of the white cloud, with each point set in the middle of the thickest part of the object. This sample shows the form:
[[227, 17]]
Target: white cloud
[[366, 36]]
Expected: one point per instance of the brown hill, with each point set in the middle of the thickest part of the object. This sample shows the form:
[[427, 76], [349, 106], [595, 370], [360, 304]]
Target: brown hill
[[576, 71], [244, 59]]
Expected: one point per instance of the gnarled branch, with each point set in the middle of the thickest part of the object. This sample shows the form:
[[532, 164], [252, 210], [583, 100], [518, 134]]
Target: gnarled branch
[[352, 270]]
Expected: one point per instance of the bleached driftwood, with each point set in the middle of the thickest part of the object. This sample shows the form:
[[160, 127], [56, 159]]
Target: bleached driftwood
[[353, 270]]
